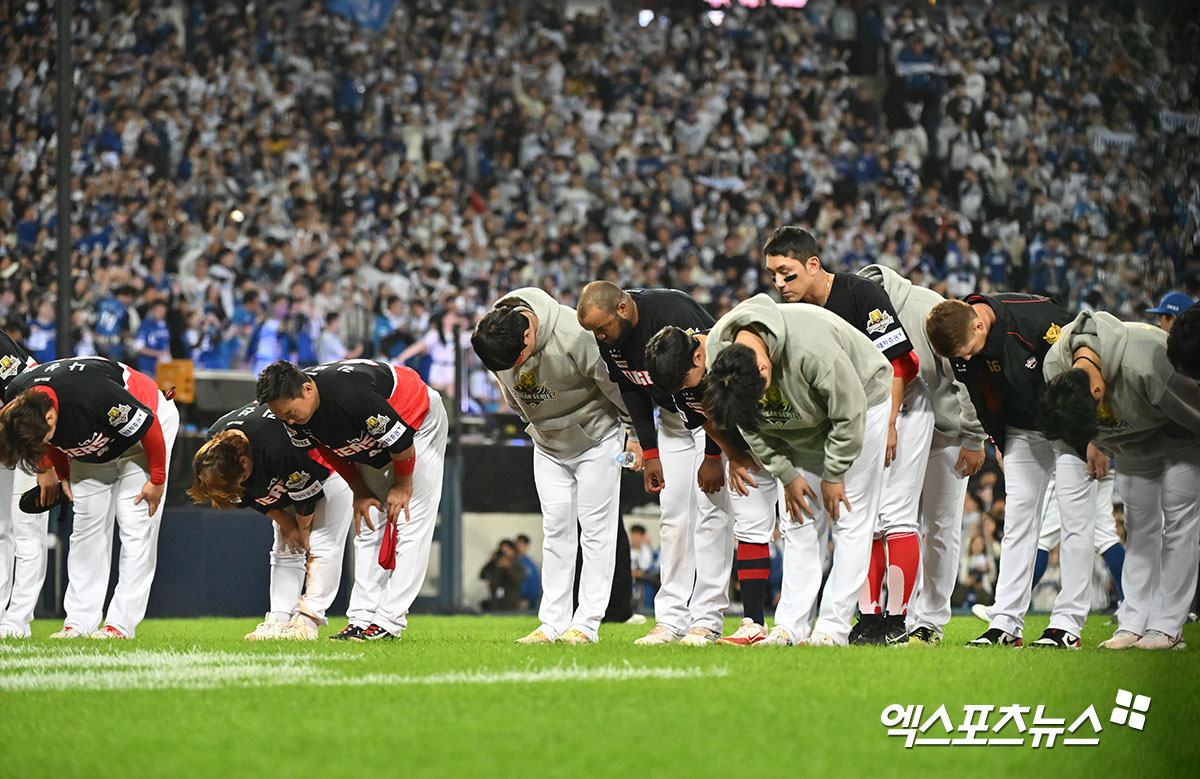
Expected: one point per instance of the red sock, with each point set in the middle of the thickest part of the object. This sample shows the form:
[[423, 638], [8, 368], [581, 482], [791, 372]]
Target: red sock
[[868, 599], [904, 557]]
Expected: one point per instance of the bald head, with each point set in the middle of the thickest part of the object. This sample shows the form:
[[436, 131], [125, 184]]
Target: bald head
[[607, 311], [604, 296]]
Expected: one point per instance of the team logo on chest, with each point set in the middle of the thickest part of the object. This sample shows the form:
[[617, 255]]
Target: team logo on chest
[[1052, 334], [378, 424], [9, 366], [775, 407], [297, 480], [530, 392], [878, 321]]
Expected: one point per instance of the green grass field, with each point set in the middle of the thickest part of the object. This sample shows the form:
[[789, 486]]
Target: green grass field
[[190, 698]]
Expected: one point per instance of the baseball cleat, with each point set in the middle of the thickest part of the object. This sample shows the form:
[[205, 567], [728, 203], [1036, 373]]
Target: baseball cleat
[[107, 633], [895, 631], [700, 636], [376, 633], [747, 634], [574, 636], [819, 639], [1057, 638], [996, 637], [69, 632], [267, 630], [868, 630], [637, 619], [1156, 639], [924, 636], [658, 636], [777, 637], [1122, 639], [351, 633], [536, 637], [12, 631], [298, 629], [981, 612]]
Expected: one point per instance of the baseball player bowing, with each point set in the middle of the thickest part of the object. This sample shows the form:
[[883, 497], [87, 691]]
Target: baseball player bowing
[[955, 454], [551, 374], [1111, 382], [695, 533], [250, 462], [795, 268], [675, 359], [384, 431], [810, 394], [996, 345], [106, 432], [22, 535]]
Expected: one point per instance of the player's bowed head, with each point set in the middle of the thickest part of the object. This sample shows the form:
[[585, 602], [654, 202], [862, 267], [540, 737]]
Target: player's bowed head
[[291, 396], [674, 359], [27, 424], [1069, 408], [733, 387], [221, 465], [503, 338]]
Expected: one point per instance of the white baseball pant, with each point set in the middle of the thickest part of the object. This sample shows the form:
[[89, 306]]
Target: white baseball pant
[[22, 553], [1162, 529], [381, 596], [104, 492], [322, 567], [803, 552], [1030, 461], [754, 515], [942, 495], [902, 480], [1105, 535], [579, 497]]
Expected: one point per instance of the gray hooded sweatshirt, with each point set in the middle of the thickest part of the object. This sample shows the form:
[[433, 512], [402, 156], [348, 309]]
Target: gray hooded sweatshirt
[[825, 375], [953, 412], [562, 390], [1149, 409]]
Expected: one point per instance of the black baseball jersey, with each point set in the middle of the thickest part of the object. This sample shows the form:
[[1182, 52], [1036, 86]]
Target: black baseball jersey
[[690, 402], [368, 411], [102, 405], [1005, 379], [657, 308], [866, 305], [13, 360], [283, 474]]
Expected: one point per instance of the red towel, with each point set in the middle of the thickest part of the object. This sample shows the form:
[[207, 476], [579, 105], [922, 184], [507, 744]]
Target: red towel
[[387, 550]]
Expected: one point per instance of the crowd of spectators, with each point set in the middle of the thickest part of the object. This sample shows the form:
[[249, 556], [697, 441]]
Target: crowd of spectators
[[255, 181]]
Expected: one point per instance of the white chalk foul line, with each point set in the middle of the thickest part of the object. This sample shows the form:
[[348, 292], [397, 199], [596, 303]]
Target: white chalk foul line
[[201, 670]]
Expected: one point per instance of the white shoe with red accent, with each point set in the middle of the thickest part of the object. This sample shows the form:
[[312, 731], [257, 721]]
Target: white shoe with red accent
[[69, 632], [107, 633], [747, 634]]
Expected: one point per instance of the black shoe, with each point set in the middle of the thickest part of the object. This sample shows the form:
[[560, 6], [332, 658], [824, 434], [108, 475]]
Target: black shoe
[[351, 633], [996, 637], [894, 631], [925, 636], [376, 633], [868, 630], [1057, 638]]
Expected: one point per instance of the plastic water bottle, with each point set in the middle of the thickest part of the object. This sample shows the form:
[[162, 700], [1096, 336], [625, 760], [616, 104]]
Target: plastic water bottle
[[627, 459]]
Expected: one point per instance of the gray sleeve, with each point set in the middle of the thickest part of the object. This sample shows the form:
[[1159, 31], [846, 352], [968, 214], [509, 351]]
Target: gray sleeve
[[846, 402], [772, 452], [1181, 402]]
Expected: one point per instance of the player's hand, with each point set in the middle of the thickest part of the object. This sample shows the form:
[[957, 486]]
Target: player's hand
[[834, 494], [362, 511], [740, 480], [711, 476], [1000, 460], [294, 539], [1097, 462], [969, 461], [152, 494], [636, 448], [397, 500], [49, 484], [652, 475], [794, 499], [889, 453]]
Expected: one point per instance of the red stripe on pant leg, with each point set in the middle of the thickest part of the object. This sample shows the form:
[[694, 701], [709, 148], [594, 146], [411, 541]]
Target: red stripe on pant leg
[[868, 599], [904, 557]]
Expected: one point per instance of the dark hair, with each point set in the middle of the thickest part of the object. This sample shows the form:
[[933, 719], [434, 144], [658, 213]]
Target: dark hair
[[1068, 409], [23, 429], [637, 529], [219, 472], [669, 357], [499, 337], [733, 388], [278, 380], [1183, 343], [791, 242], [523, 538]]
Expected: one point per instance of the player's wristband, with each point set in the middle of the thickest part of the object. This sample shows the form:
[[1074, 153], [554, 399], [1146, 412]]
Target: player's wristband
[[650, 454], [712, 456], [405, 467]]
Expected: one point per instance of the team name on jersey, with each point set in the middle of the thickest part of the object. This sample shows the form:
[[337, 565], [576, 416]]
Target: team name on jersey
[[641, 378], [364, 443], [276, 491], [96, 445]]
